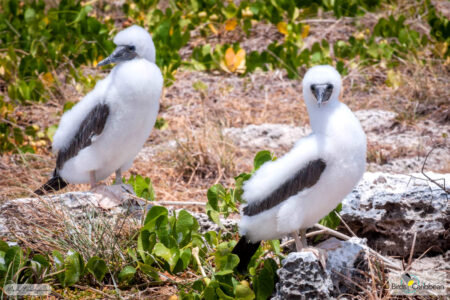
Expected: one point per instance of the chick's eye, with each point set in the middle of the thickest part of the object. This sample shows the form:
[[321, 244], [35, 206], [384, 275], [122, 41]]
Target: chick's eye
[[313, 88], [131, 48], [329, 86]]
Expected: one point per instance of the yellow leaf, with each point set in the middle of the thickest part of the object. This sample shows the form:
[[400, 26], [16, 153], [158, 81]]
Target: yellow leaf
[[441, 48], [95, 62], [282, 28], [213, 29], [48, 79], [171, 31], [46, 20], [360, 36], [173, 297], [230, 24], [229, 59], [247, 12], [394, 79], [305, 31], [234, 62], [239, 61]]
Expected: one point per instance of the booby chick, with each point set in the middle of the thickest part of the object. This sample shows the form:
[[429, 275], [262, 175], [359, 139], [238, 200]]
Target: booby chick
[[293, 192], [105, 131]]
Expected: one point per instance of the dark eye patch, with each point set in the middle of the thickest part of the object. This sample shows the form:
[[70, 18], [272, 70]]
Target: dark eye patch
[[329, 86], [131, 48]]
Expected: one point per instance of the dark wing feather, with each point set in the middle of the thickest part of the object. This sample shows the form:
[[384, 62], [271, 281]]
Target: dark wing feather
[[91, 126], [245, 250], [304, 178]]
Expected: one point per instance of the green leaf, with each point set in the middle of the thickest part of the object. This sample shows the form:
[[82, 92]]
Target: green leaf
[[150, 271], [97, 267], [244, 292], [225, 261], [260, 158], [126, 274], [2, 261], [146, 242], [143, 187], [163, 252], [68, 105], [332, 220], [74, 266], [185, 225], [3, 246], [30, 14], [222, 295], [161, 124], [264, 281], [155, 213], [59, 264]]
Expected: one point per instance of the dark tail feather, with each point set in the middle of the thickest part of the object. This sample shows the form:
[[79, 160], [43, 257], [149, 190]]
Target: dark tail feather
[[245, 250], [56, 183]]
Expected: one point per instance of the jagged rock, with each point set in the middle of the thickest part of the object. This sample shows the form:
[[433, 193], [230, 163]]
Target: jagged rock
[[375, 120], [207, 225], [302, 276], [389, 209], [264, 136], [345, 260]]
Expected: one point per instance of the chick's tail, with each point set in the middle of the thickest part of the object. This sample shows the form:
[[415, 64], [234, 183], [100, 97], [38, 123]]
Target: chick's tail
[[245, 250], [54, 184]]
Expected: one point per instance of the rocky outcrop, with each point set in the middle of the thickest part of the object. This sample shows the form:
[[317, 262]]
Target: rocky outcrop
[[389, 210], [346, 260], [301, 276]]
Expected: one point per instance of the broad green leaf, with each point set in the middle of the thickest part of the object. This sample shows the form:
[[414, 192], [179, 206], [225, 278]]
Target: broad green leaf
[[244, 292], [3, 246], [264, 281], [97, 267], [74, 266], [169, 256], [150, 271], [126, 274], [227, 262], [153, 215], [143, 187], [222, 295], [260, 158], [146, 242]]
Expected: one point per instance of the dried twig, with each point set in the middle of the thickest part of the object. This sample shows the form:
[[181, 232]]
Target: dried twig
[[429, 178]]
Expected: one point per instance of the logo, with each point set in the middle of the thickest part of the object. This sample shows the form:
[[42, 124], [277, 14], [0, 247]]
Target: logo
[[411, 281], [27, 289], [427, 283]]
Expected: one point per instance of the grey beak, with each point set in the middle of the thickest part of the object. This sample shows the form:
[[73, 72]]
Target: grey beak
[[121, 53], [321, 92]]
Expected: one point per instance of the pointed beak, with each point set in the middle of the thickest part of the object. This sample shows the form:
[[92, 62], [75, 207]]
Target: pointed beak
[[321, 92], [121, 53]]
